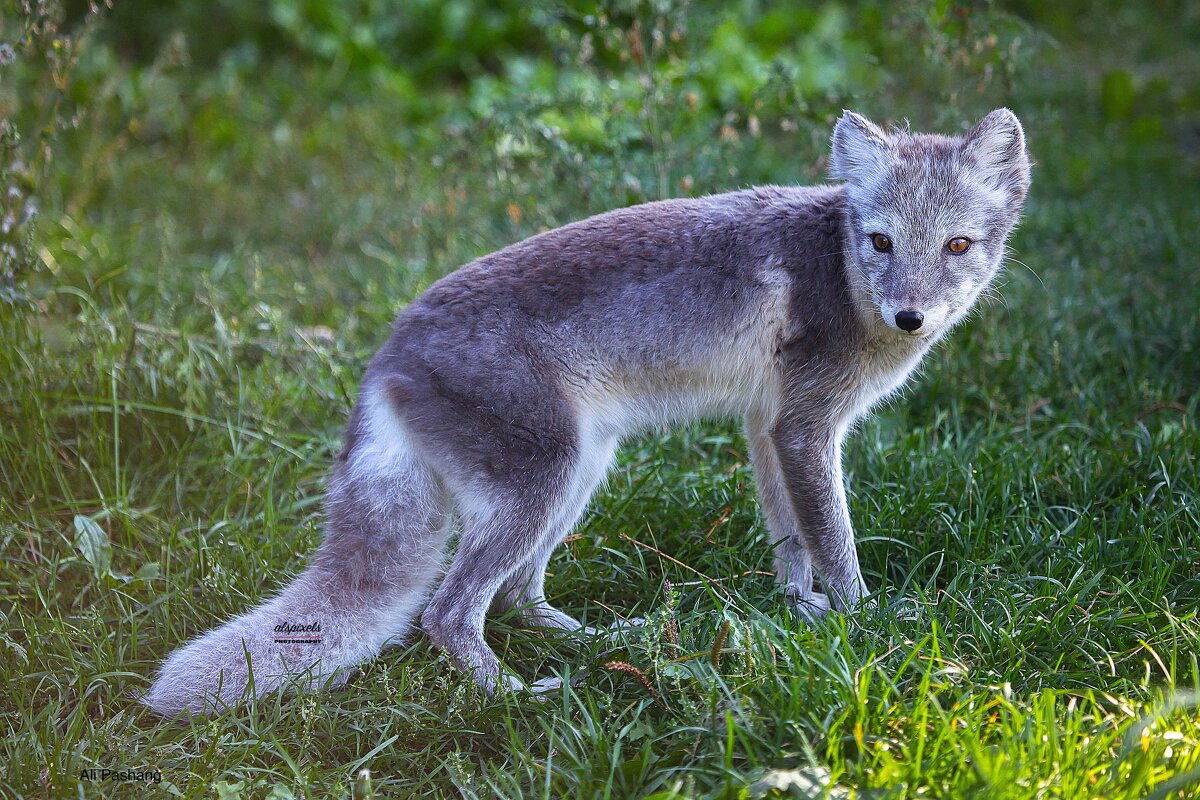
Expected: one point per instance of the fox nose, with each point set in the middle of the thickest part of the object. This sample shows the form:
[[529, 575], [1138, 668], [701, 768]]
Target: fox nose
[[909, 320]]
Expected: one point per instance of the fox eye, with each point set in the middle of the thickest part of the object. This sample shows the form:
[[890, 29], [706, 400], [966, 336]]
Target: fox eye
[[958, 245], [881, 242]]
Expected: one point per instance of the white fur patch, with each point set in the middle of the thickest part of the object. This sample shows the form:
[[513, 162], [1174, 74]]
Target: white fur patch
[[383, 448]]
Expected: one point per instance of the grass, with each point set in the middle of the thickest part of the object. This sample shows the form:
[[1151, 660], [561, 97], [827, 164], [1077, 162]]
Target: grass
[[219, 269]]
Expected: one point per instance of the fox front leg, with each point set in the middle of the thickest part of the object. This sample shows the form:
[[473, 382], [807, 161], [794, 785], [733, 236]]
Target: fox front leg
[[810, 458], [793, 565]]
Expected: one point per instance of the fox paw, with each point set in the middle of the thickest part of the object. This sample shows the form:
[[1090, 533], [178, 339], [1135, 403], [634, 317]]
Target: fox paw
[[810, 607]]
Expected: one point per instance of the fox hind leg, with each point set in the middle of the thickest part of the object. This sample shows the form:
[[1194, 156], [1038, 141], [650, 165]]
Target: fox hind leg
[[499, 536], [524, 590]]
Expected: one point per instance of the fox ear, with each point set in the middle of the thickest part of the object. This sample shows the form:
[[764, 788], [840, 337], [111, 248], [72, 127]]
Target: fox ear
[[860, 149], [997, 147]]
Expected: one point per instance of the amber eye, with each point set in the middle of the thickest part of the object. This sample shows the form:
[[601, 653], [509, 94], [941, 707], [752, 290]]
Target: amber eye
[[881, 242], [958, 245]]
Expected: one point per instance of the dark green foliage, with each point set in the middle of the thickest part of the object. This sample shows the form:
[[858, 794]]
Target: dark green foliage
[[436, 39]]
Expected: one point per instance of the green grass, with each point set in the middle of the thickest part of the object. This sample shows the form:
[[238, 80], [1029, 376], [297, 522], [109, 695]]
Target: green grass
[[219, 269]]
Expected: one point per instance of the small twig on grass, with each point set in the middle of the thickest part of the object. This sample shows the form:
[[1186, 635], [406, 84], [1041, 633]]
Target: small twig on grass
[[745, 574], [1037, 406], [726, 513], [614, 612], [1154, 409], [676, 561]]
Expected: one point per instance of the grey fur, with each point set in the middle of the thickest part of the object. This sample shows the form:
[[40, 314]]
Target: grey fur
[[504, 390]]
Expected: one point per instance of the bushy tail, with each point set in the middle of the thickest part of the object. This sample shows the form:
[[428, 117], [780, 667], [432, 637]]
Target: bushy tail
[[386, 532]]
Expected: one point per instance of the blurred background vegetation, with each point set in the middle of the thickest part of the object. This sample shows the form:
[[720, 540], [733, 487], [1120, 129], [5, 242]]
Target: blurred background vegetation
[[365, 105]]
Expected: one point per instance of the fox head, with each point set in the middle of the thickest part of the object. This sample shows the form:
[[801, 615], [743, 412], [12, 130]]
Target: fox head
[[928, 216]]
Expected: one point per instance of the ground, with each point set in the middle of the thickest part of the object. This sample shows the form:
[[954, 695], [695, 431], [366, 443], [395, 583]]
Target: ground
[[219, 259]]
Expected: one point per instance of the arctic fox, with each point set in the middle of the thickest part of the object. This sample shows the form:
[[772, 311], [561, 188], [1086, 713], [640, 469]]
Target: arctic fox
[[504, 390]]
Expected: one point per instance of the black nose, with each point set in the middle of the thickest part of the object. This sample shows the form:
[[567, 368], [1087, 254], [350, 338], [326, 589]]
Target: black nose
[[909, 320]]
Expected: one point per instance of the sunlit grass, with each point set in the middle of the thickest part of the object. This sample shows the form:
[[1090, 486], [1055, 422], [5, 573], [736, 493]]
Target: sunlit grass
[[1028, 513]]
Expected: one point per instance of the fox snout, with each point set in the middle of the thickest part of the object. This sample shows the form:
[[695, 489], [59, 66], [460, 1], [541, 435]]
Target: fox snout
[[913, 318], [909, 320]]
